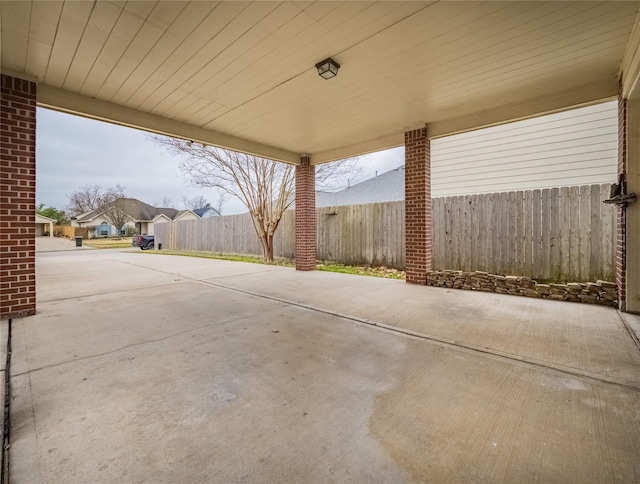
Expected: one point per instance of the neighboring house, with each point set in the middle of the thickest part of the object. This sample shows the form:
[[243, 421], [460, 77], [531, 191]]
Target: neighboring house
[[185, 215], [577, 147], [206, 212], [141, 218], [44, 226], [163, 218]]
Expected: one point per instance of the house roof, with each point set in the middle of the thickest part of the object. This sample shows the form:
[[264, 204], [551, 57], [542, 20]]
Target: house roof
[[181, 213], [201, 211], [137, 210], [41, 219], [169, 212], [387, 187], [161, 215]]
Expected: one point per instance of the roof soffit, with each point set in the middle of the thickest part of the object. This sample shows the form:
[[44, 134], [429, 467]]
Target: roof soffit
[[240, 74]]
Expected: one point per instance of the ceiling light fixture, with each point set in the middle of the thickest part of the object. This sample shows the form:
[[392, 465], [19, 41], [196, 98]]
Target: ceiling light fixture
[[328, 68]]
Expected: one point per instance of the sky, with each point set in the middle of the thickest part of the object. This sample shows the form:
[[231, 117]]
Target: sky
[[72, 152]]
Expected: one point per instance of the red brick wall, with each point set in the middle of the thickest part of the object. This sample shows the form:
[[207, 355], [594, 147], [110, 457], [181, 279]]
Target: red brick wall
[[305, 215], [621, 238], [417, 205], [17, 197]]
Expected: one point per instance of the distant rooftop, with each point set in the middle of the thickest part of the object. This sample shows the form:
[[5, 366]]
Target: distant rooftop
[[387, 187], [201, 211], [136, 209]]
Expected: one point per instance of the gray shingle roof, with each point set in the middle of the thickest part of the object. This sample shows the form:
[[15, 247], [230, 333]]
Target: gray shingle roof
[[201, 211], [387, 187], [137, 210], [169, 212]]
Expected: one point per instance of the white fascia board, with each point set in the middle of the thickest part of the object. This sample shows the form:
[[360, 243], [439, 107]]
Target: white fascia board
[[94, 216], [183, 214], [48, 220], [630, 67], [362, 148], [606, 90], [61, 100], [602, 91], [18, 75], [69, 102]]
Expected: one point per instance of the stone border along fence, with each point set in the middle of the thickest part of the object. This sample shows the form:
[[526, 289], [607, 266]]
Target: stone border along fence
[[600, 292]]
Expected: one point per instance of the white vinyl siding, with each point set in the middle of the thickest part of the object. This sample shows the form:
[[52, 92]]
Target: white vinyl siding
[[577, 147]]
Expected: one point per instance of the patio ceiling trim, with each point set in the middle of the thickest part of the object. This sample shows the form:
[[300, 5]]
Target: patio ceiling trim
[[595, 93], [602, 91], [630, 66], [61, 100], [365, 147]]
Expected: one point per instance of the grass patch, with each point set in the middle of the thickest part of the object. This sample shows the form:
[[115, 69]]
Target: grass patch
[[107, 243], [254, 259], [380, 271]]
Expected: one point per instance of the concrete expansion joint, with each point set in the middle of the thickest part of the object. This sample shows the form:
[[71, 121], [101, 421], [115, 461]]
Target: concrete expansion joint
[[453, 344], [634, 336], [135, 345], [126, 291], [6, 419]]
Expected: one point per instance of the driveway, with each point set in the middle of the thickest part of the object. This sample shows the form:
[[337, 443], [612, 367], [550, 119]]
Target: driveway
[[147, 368], [57, 244]]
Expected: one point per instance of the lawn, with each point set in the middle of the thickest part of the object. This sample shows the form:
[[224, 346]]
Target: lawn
[[328, 267], [123, 243]]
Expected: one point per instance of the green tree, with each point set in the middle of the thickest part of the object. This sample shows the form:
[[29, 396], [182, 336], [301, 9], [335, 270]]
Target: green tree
[[53, 213]]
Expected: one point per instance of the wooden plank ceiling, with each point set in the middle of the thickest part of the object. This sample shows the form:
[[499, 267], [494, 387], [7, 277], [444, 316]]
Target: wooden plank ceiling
[[241, 74]]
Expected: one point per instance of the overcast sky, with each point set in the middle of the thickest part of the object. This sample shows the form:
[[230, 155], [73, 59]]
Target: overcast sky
[[73, 152]]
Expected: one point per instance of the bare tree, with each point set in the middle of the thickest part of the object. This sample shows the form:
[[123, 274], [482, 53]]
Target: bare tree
[[265, 187], [92, 197], [338, 174], [116, 213], [223, 198], [196, 202], [166, 202]]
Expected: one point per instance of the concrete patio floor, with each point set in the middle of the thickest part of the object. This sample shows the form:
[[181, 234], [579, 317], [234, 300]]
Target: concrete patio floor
[[147, 368]]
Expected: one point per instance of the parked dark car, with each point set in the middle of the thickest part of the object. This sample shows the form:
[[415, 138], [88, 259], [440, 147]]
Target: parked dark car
[[143, 241]]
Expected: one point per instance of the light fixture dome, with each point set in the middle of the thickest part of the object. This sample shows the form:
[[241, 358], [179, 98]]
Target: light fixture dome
[[328, 68]]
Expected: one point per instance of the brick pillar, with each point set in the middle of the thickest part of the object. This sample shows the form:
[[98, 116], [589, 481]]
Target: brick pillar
[[621, 232], [17, 197], [305, 215], [417, 155]]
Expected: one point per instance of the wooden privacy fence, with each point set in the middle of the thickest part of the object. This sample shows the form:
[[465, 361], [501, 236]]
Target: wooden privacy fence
[[233, 234], [563, 234], [371, 234], [551, 234], [70, 232]]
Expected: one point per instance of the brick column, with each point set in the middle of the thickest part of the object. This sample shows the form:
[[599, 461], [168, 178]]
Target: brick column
[[417, 154], [305, 215], [621, 232], [17, 197]]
